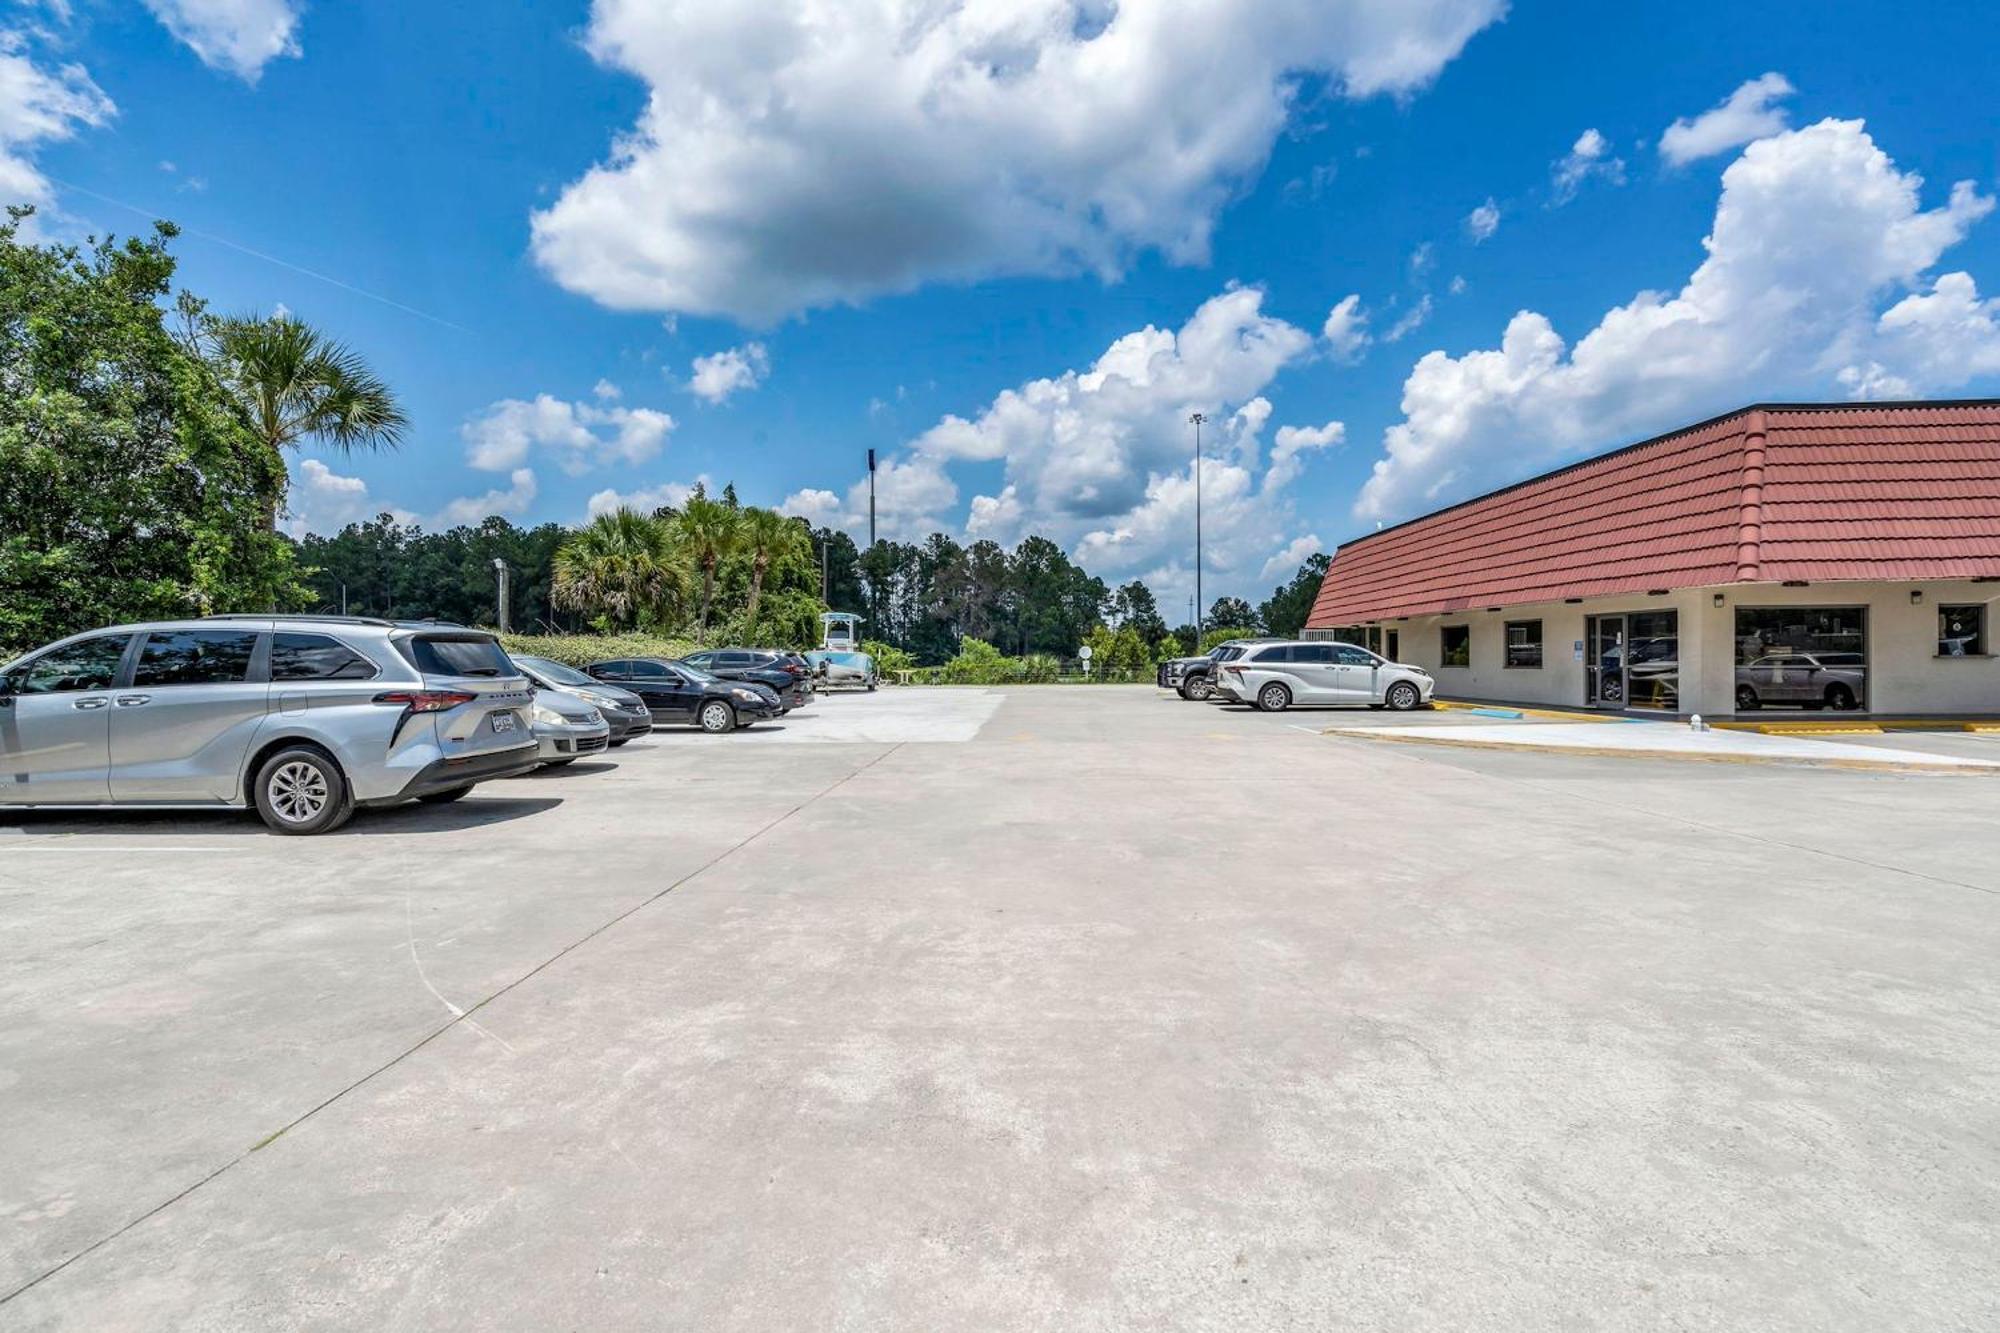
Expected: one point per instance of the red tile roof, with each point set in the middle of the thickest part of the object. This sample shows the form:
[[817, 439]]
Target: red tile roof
[[1764, 495]]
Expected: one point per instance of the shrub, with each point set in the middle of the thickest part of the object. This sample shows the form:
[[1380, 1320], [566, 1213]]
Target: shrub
[[1215, 636], [889, 659], [580, 650]]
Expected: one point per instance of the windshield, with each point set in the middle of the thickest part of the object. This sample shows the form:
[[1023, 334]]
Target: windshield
[[458, 655], [694, 673], [555, 672]]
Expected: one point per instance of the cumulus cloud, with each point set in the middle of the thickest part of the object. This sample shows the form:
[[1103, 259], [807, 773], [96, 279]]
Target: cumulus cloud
[[237, 36], [1483, 221], [1346, 330], [606, 392], [1746, 115], [1939, 340], [803, 153], [579, 435], [1813, 229], [1589, 156], [723, 373], [1101, 459], [323, 501], [40, 106], [511, 502], [1287, 561], [666, 495]]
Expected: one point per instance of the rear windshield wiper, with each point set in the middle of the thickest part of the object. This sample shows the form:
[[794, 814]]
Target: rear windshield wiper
[[481, 671]]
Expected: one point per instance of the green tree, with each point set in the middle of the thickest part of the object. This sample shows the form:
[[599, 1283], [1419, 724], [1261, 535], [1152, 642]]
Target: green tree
[[707, 533], [1285, 612], [1133, 605], [769, 538], [130, 488], [1232, 613], [294, 384], [622, 566]]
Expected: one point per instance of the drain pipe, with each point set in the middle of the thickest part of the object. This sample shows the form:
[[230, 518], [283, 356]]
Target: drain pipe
[[1750, 510]]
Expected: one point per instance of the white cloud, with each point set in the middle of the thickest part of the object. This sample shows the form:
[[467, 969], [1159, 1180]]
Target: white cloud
[[1813, 228], [1412, 320], [1346, 330], [510, 503], [580, 435], [239, 36], [1458, 285], [1483, 221], [1744, 116], [323, 501], [1422, 260], [1286, 562], [40, 106], [1100, 460], [802, 153], [1942, 339], [606, 392], [721, 374], [1589, 156], [1291, 442], [668, 494]]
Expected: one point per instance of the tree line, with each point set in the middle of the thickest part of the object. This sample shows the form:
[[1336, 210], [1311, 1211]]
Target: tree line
[[142, 476]]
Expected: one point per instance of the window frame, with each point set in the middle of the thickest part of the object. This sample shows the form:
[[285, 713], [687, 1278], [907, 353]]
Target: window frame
[[1507, 661], [1444, 652], [250, 675], [1978, 636]]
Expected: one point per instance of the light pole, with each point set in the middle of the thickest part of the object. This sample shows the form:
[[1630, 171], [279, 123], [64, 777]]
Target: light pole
[[1196, 420], [500, 575]]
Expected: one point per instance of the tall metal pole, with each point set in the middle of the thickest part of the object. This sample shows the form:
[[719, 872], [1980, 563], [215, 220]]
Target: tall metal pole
[[1197, 419], [871, 499], [500, 573]]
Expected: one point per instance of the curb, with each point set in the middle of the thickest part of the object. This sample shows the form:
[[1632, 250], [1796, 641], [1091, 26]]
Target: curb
[[1679, 756]]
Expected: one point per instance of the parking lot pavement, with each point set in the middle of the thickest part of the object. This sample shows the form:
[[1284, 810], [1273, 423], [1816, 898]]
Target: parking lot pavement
[[1126, 1013], [950, 715]]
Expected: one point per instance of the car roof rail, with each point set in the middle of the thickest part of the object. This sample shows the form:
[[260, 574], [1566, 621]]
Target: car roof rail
[[290, 618]]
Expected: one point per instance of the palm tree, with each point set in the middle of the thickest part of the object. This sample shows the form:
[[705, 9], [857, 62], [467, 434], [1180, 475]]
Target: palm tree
[[769, 538], [620, 565], [708, 532], [294, 384]]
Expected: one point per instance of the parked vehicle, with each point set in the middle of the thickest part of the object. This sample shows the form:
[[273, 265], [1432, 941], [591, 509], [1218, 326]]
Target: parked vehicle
[[301, 717], [1194, 677], [676, 691], [843, 669], [788, 674], [1275, 676], [625, 713], [566, 727], [1809, 680]]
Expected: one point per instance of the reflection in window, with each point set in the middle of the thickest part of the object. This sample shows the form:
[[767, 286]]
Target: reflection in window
[[1455, 645], [1962, 630], [88, 665], [317, 657], [194, 657], [1653, 659], [1524, 643], [1801, 657]]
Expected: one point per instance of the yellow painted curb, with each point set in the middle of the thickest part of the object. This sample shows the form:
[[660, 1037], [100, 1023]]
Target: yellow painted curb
[[1682, 756], [1466, 705]]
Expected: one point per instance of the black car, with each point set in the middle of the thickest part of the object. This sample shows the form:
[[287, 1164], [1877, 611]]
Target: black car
[[788, 674], [678, 692]]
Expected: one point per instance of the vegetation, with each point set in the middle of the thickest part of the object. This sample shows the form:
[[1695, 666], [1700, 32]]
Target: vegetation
[[580, 650], [623, 566], [131, 486]]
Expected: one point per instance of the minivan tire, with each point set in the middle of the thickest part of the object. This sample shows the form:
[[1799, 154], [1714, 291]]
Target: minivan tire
[[1402, 696], [716, 718], [300, 790], [1274, 698]]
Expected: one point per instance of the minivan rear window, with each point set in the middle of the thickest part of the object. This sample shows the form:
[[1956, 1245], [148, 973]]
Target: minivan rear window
[[458, 655]]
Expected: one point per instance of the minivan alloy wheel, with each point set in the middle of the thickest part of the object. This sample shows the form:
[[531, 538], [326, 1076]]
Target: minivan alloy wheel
[[1403, 696], [1274, 698], [298, 791]]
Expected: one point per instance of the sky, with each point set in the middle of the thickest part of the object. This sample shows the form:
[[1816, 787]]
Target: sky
[[1397, 253]]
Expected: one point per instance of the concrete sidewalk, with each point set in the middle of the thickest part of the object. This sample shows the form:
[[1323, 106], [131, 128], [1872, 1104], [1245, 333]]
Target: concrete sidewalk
[[1670, 740]]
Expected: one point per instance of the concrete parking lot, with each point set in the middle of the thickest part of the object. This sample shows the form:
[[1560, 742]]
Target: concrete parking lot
[[1046, 1008]]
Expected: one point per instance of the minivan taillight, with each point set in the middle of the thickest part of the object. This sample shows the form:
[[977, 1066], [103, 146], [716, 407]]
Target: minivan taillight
[[425, 701]]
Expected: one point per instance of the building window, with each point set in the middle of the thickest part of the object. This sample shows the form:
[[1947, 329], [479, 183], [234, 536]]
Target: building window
[[1455, 645], [1962, 631], [1524, 643], [1801, 657]]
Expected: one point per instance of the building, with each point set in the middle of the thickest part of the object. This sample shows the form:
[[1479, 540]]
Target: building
[[1787, 555]]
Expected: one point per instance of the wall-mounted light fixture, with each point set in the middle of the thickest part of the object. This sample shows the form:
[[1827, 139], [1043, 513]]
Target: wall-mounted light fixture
[[1573, 601], [1916, 597], [1720, 599], [1656, 592], [1795, 583]]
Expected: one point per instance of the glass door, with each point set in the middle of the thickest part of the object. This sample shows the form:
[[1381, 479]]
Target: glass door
[[1604, 670]]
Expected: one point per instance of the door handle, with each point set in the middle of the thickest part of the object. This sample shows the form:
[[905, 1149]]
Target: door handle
[[133, 700], [90, 703]]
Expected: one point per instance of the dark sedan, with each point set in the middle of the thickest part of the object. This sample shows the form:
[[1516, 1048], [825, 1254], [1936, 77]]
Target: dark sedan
[[788, 674], [677, 692]]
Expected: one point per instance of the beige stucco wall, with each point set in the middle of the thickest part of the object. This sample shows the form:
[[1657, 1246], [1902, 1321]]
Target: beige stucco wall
[[1905, 674]]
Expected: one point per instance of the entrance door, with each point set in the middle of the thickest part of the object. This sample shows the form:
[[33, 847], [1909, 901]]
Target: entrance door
[[1604, 670], [1392, 644]]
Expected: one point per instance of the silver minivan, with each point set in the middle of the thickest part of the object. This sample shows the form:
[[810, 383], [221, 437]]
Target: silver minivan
[[303, 717]]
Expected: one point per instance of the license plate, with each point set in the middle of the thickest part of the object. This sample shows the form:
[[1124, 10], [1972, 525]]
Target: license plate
[[503, 722]]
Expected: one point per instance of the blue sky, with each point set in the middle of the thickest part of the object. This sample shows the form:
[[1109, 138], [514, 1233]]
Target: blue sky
[[923, 228]]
